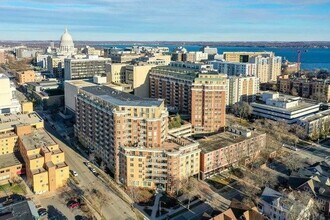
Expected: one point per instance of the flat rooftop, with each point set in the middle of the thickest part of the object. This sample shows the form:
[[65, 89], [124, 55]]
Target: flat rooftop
[[221, 140], [38, 138], [316, 116], [9, 121], [301, 106], [9, 160], [119, 98], [80, 83]]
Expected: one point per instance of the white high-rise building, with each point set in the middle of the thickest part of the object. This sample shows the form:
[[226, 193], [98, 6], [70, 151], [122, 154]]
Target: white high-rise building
[[234, 68], [7, 102]]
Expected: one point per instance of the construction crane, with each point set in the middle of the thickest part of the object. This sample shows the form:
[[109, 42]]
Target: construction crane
[[299, 52]]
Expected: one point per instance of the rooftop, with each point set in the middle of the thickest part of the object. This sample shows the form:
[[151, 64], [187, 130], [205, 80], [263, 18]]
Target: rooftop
[[317, 116], [9, 121], [184, 73], [222, 140], [119, 98], [38, 138], [80, 83], [8, 160]]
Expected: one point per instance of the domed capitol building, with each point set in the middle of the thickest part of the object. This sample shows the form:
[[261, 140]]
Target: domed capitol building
[[66, 43]]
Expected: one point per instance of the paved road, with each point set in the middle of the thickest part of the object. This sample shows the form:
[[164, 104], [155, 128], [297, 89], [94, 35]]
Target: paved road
[[316, 151], [114, 208]]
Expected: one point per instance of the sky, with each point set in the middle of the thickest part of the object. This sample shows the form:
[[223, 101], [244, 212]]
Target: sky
[[171, 20]]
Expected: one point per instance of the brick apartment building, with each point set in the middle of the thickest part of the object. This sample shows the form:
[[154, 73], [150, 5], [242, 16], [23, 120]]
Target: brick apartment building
[[221, 150], [315, 89], [189, 91], [130, 134]]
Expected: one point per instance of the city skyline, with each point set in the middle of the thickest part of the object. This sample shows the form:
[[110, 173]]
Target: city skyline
[[139, 20]]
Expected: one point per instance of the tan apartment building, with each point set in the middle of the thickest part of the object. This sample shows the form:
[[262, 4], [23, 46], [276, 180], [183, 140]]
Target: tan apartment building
[[45, 165], [244, 57], [227, 148], [27, 148], [107, 119], [138, 76], [188, 91], [241, 89], [162, 167], [116, 72], [26, 76]]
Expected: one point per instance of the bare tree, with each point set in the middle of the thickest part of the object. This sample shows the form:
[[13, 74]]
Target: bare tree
[[102, 166], [91, 157], [294, 92], [190, 188]]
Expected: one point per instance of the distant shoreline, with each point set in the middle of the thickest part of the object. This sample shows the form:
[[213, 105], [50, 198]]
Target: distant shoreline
[[275, 44]]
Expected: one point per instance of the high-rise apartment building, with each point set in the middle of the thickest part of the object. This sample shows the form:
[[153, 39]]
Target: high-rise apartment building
[[267, 65], [195, 56], [244, 57], [107, 119], [84, 68], [188, 91], [241, 89], [235, 69]]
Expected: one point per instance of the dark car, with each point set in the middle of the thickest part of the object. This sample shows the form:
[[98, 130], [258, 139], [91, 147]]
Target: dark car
[[73, 204], [42, 211]]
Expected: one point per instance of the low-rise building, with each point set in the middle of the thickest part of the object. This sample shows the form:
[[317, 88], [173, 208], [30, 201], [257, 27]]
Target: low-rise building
[[317, 89], [26, 76], [185, 130], [316, 124], [276, 205], [222, 150], [283, 107], [238, 210], [45, 165], [43, 160]]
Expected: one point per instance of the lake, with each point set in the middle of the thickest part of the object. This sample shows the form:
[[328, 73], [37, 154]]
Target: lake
[[311, 58]]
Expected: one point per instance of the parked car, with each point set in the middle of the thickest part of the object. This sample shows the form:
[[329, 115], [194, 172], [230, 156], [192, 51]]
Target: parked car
[[42, 212], [74, 173], [73, 204]]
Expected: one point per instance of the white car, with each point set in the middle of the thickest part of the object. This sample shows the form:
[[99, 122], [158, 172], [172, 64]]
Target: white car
[[74, 173]]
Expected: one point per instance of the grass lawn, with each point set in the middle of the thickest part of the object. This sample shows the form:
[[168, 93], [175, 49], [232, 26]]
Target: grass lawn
[[14, 188], [219, 182]]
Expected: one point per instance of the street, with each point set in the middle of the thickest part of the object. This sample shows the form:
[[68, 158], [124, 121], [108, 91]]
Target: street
[[114, 208]]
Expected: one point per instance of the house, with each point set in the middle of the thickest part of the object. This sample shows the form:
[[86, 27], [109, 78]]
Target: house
[[278, 206], [239, 210]]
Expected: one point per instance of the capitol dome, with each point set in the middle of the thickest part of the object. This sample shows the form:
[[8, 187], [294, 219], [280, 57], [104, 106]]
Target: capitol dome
[[66, 44]]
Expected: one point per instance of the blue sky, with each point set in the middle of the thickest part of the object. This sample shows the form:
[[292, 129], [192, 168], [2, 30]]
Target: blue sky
[[196, 20]]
